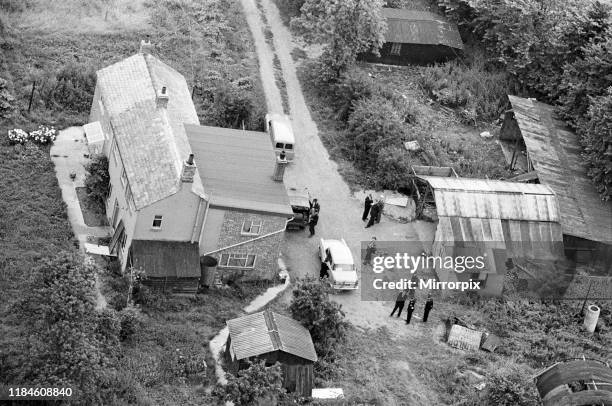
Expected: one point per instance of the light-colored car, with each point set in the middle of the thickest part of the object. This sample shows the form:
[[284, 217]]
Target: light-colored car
[[281, 133], [342, 272]]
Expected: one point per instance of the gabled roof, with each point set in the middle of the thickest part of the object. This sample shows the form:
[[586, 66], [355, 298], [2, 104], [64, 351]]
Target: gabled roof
[[237, 168], [151, 140], [265, 332], [420, 27], [555, 153]]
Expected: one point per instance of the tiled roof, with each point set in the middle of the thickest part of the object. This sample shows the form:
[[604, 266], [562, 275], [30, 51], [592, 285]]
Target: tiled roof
[[152, 142], [420, 27], [264, 332], [556, 155], [237, 168]]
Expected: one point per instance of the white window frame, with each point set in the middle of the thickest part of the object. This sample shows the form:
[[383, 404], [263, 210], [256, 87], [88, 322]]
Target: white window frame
[[124, 177], [157, 217], [114, 151], [101, 105], [257, 224], [129, 197], [225, 260], [396, 48]]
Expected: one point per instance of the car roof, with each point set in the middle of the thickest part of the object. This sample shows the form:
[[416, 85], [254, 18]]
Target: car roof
[[281, 126], [341, 253], [298, 197]]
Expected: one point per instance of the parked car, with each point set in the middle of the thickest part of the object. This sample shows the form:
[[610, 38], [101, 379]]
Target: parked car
[[300, 204], [336, 255], [281, 134]]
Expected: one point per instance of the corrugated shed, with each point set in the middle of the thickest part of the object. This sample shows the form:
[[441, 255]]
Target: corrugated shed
[[556, 156], [265, 332], [420, 27], [151, 141], [237, 168], [446, 171]]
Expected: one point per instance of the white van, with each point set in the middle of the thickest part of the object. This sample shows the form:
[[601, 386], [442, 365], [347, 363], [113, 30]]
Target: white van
[[281, 134]]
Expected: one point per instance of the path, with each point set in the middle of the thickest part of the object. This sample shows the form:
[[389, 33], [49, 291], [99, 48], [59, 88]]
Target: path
[[312, 168]]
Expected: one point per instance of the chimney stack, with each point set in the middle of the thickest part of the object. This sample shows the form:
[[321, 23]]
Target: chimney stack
[[162, 98], [145, 46], [189, 168], [279, 167]]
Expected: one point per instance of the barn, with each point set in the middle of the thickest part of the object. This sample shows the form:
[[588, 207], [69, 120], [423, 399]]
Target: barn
[[416, 37], [540, 146], [274, 338]]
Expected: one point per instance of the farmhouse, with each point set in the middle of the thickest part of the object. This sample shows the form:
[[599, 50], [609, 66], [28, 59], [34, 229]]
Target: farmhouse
[[159, 205], [416, 37], [503, 220], [551, 155], [273, 338]]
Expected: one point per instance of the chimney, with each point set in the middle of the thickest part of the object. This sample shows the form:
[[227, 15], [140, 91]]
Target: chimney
[[145, 46], [162, 98], [279, 167], [189, 168]]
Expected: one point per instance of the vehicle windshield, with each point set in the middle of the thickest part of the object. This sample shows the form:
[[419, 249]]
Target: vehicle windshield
[[344, 267]]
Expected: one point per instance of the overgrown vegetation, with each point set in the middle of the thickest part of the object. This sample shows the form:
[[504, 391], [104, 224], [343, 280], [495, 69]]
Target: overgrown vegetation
[[97, 180], [254, 385]]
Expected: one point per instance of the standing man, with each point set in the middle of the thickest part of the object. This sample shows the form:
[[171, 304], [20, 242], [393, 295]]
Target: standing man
[[381, 206], [366, 207], [373, 215], [312, 222], [410, 310], [370, 250], [428, 307], [400, 300], [314, 204]]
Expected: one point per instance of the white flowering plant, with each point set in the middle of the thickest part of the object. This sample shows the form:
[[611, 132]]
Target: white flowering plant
[[17, 136], [44, 135]]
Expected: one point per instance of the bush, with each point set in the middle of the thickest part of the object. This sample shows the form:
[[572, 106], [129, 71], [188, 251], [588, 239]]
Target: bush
[[7, 100], [323, 318], [392, 168], [43, 135], [17, 136], [71, 88], [97, 180], [352, 86], [129, 319], [252, 385], [513, 388]]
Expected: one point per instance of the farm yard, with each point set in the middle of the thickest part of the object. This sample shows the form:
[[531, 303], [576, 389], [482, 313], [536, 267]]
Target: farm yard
[[359, 126]]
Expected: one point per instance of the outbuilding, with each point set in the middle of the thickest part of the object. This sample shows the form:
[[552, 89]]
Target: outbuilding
[[416, 37], [274, 338]]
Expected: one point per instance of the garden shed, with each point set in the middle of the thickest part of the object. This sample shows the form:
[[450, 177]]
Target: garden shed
[[553, 157], [496, 219], [575, 382], [416, 37], [274, 338]]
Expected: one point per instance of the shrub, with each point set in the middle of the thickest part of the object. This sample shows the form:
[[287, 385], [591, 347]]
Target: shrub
[[252, 385], [323, 318], [17, 136], [129, 319], [352, 86], [71, 88], [513, 388], [43, 135], [392, 168], [7, 100], [97, 180]]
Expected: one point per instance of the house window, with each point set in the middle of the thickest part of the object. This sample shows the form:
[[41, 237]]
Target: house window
[[157, 222], [251, 227], [396, 48], [115, 213], [237, 260], [123, 177], [102, 111], [114, 152], [110, 190], [129, 198]]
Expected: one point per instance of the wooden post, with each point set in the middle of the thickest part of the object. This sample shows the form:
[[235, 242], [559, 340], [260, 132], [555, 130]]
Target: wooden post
[[31, 95]]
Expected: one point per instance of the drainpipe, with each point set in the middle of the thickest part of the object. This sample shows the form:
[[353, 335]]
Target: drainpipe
[[251, 240]]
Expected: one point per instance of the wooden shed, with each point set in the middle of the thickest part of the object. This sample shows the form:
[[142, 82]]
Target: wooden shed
[[553, 157], [416, 37], [497, 219], [274, 338], [575, 382]]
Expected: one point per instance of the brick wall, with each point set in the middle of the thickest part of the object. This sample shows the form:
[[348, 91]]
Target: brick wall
[[267, 249]]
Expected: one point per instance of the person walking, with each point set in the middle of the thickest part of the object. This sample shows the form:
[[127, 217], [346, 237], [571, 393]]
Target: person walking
[[381, 207], [370, 250], [400, 301], [373, 215], [367, 206], [312, 222], [428, 307], [409, 310]]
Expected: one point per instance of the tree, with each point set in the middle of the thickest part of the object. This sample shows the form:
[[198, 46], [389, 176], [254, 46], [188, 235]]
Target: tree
[[346, 27], [596, 133], [323, 318], [98, 180], [255, 384]]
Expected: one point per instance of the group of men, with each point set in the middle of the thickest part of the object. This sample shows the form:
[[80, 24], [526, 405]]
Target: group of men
[[373, 209], [400, 302]]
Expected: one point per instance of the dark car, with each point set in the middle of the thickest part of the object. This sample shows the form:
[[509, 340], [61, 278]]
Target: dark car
[[300, 205]]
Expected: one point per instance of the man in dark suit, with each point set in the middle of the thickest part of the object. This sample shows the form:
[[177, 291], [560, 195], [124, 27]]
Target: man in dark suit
[[312, 222], [366, 207], [428, 307], [410, 309], [400, 301]]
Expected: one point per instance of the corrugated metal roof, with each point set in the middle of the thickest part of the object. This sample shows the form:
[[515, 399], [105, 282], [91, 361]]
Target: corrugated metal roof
[[492, 199], [420, 27], [266, 331], [237, 168], [151, 141], [556, 156], [446, 171]]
